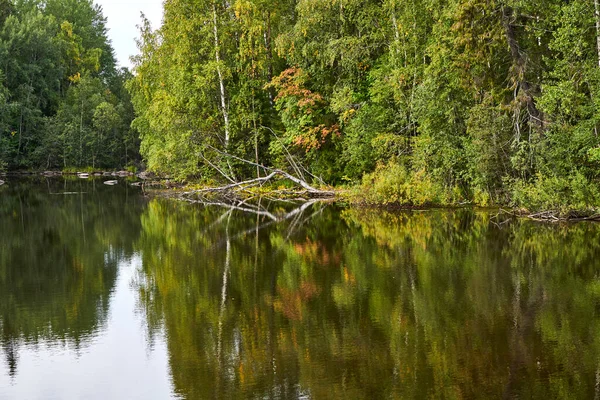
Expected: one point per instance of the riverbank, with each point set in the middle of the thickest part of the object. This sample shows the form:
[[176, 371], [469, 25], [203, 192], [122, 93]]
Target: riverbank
[[354, 198], [73, 172], [363, 196]]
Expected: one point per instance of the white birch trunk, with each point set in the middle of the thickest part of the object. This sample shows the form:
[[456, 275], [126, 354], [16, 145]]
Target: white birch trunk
[[396, 30], [597, 15], [221, 83]]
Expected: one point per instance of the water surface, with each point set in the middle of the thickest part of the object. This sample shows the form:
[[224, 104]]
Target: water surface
[[107, 294]]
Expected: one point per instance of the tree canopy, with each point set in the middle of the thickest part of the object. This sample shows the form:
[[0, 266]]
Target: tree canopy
[[62, 97], [492, 101], [421, 101]]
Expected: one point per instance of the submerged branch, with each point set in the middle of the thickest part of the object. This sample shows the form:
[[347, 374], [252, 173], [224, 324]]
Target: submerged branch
[[551, 215]]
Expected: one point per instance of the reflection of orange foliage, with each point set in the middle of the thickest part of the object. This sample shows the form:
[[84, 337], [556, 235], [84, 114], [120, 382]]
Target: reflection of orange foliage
[[349, 277], [316, 253], [308, 290], [289, 302], [241, 374]]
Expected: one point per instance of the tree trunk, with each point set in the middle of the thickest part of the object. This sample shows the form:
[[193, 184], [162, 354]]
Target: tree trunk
[[269, 49], [220, 74], [519, 65], [597, 17], [396, 30]]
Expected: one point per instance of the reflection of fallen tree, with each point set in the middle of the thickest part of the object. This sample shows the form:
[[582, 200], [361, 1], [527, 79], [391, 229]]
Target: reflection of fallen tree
[[258, 209], [296, 216], [552, 216]]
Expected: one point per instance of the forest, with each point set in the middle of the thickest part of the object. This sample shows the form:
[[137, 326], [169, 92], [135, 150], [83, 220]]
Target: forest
[[404, 101], [63, 102], [413, 101]]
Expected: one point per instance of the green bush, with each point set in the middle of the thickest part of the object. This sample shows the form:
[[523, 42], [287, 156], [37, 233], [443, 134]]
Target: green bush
[[563, 194], [395, 184]]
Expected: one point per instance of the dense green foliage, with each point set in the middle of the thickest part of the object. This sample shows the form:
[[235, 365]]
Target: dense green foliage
[[492, 101], [62, 98]]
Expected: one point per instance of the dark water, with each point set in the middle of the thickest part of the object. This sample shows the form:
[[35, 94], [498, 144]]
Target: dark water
[[107, 295]]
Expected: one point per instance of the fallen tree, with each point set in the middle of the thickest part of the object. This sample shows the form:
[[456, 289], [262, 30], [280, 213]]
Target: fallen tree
[[238, 189]]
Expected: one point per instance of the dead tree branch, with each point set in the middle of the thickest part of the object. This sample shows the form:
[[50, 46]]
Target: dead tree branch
[[273, 173]]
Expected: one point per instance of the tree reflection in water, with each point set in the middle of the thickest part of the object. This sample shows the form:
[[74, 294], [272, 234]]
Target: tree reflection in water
[[273, 301], [369, 304], [58, 259]]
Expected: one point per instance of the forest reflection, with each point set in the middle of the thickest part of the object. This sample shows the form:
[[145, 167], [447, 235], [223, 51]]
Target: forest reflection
[[61, 242], [368, 304], [312, 301]]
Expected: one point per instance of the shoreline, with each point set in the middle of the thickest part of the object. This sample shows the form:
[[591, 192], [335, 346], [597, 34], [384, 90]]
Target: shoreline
[[163, 187], [341, 196], [84, 171]]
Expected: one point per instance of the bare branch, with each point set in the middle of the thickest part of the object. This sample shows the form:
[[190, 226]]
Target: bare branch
[[273, 174]]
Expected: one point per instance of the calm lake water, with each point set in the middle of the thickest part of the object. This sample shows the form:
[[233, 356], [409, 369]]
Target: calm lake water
[[107, 295]]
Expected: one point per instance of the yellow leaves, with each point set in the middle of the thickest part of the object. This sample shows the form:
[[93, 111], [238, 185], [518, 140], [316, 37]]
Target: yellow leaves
[[347, 115], [13, 133], [67, 28], [75, 78], [363, 66]]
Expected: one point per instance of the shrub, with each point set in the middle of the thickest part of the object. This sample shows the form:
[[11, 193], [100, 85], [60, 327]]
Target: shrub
[[395, 184], [563, 194]]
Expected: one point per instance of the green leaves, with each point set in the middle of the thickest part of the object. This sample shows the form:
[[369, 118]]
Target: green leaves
[[474, 96], [51, 53]]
